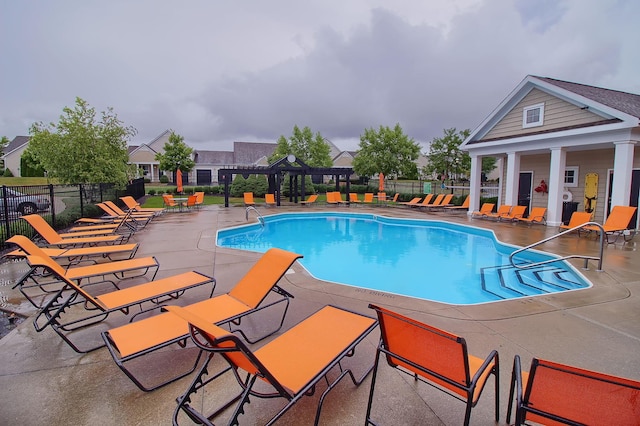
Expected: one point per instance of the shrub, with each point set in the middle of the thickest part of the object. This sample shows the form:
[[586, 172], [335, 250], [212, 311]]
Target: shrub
[[7, 173], [164, 179], [321, 188], [256, 184], [152, 192]]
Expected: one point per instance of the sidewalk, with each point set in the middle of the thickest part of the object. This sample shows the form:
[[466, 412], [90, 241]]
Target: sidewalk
[[44, 382]]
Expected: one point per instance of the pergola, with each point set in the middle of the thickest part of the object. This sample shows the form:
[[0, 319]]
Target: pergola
[[275, 172]]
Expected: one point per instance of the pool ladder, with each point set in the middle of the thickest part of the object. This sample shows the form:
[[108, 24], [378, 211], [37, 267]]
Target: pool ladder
[[260, 218], [573, 256]]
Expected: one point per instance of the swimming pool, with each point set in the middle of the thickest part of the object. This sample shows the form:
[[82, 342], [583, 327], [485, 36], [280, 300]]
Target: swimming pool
[[426, 259]]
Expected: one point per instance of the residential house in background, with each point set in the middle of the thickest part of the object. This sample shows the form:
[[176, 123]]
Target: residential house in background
[[207, 163], [144, 156], [579, 139], [13, 152]]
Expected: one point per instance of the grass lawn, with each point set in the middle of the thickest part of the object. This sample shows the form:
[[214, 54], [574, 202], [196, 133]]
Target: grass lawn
[[24, 181]]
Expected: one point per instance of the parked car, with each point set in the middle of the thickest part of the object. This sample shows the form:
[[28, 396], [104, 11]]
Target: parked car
[[23, 203]]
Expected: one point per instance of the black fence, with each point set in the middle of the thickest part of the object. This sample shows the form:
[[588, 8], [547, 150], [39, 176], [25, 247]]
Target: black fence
[[60, 205]]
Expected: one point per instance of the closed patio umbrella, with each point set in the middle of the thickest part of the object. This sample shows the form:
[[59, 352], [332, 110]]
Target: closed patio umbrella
[[179, 181], [381, 183]]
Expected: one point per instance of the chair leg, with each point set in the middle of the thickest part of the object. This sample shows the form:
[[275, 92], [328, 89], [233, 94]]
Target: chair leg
[[373, 385], [496, 373], [512, 387], [199, 382]]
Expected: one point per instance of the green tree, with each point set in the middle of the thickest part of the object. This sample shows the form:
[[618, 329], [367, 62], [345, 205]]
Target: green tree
[[29, 167], [4, 141], [312, 150], [447, 159], [176, 155], [253, 183], [80, 149], [488, 164], [387, 151], [445, 156]]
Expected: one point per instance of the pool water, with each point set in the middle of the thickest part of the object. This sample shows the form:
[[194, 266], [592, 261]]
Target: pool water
[[431, 260]]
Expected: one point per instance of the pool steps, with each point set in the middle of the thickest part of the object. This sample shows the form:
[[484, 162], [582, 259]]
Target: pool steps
[[505, 282]]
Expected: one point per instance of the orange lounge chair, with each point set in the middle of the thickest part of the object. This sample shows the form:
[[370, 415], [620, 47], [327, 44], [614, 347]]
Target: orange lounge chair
[[148, 335], [503, 210], [87, 230], [335, 198], [312, 199], [485, 209], [435, 357], [91, 230], [353, 198], [425, 202], [291, 365], [73, 309], [382, 197], [134, 206], [368, 198], [270, 200], [395, 197], [330, 198], [78, 255], [413, 202], [577, 219], [617, 223], [464, 206], [536, 215], [102, 220], [514, 214], [553, 394], [134, 221], [444, 202], [117, 211], [51, 236], [435, 202], [117, 270], [248, 199]]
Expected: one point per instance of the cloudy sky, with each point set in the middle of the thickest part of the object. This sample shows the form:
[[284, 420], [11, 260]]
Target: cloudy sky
[[217, 72]]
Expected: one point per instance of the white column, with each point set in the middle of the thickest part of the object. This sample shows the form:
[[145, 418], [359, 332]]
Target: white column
[[556, 186], [512, 178], [501, 162], [474, 184], [622, 171]]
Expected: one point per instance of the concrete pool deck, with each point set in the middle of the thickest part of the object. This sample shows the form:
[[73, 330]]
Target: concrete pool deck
[[44, 381]]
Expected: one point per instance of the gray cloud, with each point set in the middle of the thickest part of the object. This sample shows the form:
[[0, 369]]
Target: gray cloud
[[250, 71]]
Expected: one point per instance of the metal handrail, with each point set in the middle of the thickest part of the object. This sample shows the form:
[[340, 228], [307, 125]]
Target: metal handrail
[[260, 218], [573, 256]]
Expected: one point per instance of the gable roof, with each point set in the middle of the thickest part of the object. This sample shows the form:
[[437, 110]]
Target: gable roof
[[133, 149], [622, 101], [160, 136], [616, 110], [246, 153], [17, 143], [213, 157]]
